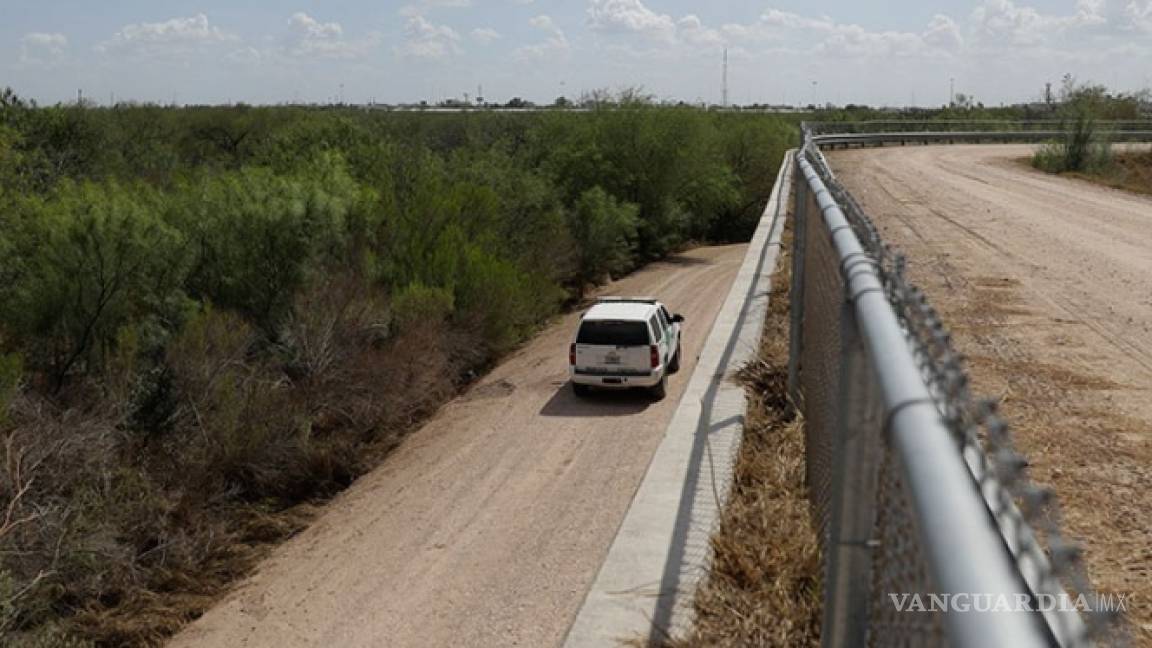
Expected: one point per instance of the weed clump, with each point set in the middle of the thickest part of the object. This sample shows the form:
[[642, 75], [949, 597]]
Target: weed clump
[[1083, 147]]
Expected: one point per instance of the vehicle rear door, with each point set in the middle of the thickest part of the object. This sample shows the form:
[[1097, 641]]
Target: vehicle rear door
[[613, 347]]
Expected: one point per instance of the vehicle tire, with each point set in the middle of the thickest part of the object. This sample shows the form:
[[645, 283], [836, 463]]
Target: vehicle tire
[[581, 391], [674, 366], [660, 389]]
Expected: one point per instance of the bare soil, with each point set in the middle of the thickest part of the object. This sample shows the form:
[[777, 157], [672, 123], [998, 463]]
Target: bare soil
[[486, 526], [1046, 282]]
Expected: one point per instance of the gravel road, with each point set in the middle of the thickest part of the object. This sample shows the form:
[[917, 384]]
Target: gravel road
[[486, 526], [1047, 283]]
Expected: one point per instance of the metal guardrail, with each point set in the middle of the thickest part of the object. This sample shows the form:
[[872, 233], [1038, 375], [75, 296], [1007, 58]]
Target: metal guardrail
[[880, 133], [872, 128], [963, 137], [914, 484]]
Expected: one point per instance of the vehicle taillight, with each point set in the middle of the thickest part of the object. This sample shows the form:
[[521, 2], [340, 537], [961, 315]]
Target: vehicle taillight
[[572, 355], [655, 355]]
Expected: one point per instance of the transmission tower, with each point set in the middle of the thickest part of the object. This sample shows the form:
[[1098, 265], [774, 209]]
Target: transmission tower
[[724, 82]]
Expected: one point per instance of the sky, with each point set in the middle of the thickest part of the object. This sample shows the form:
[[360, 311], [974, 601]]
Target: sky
[[900, 52]]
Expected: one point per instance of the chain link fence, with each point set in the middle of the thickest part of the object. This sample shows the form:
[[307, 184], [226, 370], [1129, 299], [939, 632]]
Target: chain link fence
[[916, 490]]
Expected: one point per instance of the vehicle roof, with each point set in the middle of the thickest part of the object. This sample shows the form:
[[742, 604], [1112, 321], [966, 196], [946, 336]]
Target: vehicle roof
[[621, 311]]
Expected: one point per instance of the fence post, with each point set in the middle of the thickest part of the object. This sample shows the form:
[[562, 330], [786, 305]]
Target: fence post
[[856, 460], [796, 290]]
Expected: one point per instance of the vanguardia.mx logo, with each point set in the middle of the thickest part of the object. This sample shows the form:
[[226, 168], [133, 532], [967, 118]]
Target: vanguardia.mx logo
[[968, 602]]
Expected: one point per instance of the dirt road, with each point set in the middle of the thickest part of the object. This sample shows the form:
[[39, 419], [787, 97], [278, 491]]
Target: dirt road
[[1047, 283], [487, 526]]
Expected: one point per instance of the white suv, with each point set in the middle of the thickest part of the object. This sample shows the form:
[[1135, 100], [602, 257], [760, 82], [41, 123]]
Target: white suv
[[625, 342]]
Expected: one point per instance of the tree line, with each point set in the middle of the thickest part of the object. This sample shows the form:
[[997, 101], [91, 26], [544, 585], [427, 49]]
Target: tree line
[[212, 316]]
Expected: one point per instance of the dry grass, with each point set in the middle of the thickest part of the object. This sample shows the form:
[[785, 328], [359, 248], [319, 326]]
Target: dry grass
[[1131, 171], [129, 507], [763, 588]]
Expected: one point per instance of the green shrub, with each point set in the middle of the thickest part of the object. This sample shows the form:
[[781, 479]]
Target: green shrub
[[258, 238], [1050, 157], [605, 232], [513, 209], [503, 303], [418, 305], [83, 263], [10, 160], [754, 148], [61, 143], [1083, 148], [1078, 142]]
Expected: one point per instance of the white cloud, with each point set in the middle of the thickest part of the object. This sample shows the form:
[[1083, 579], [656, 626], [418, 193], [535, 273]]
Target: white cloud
[[308, 28], [39, 48], [943, 33], [427, 40], [855, 41], [485, 35], [175, 35], [310, 38], [774, 29], [1005, 25], [777, 18], [421, 8], [542, 22], [1139, 14], [1119, 15], [1003, 22], [556, 45], [941, 37], [246, 55], [692, 31], [630, 17]]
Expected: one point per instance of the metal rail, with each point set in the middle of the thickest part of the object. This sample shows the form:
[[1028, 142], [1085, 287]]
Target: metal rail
[[963, 137], [892, 442], [972, 125]]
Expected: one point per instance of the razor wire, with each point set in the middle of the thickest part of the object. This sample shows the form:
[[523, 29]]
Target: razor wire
[[1024, 512]]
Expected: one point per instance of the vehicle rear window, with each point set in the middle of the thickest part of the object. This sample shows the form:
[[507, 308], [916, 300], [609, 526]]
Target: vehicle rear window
[[613, 333]]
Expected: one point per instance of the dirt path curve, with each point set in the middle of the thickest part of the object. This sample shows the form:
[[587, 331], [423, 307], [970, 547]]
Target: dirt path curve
[[487, 526], [1047, 284]]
